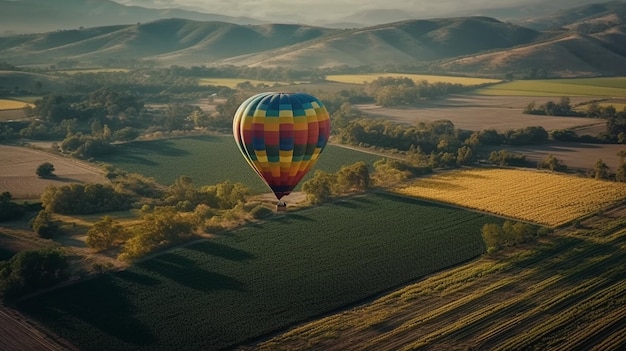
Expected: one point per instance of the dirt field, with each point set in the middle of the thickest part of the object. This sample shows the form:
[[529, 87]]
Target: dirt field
[[478, 112], [12, 115], [18, 166], [573, 155]]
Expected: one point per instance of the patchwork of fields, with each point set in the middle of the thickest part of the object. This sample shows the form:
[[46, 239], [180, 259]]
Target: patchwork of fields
[[567, 292], [252, 281], [550, 199]]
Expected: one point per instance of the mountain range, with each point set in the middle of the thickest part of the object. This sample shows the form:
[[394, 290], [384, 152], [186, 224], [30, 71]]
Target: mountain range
[[583, 41]]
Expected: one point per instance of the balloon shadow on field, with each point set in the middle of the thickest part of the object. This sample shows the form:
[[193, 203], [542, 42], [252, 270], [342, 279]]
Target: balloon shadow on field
[[221, 250], [186, 272]]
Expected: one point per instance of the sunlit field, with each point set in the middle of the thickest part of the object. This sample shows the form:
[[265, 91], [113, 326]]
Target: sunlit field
[[364, 78], [541, 197], [7, 104], [613, 87]]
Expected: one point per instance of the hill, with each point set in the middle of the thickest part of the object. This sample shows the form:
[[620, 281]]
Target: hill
[[28, 16], [588, 41]]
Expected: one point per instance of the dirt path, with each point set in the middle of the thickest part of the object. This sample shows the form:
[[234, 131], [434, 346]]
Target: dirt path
[[16, 334]]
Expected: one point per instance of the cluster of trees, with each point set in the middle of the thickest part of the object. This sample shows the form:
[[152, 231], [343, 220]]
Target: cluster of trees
[[510, 233], [615, 125], [324, 186], [29, 271], [84, 199], [390, 91]]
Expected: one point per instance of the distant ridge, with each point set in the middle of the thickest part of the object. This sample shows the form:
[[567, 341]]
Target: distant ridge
[[589, 41]]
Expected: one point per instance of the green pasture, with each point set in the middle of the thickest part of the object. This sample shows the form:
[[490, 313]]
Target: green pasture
[[363, 78], [263, 278], [210, 160], [610, 86]]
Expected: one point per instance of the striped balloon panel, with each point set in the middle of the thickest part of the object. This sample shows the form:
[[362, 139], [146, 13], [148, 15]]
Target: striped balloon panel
[[281, 136]]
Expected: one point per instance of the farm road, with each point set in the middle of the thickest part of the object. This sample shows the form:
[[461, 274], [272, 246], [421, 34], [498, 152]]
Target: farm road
[[17, 335]]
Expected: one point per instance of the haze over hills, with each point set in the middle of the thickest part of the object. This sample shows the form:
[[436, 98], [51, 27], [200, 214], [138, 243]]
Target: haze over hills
[[589, 41], [32, 16]]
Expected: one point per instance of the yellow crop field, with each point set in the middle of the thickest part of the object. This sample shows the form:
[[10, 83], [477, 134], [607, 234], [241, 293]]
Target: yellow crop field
[[6, 104], [363, 78], [545, 198]]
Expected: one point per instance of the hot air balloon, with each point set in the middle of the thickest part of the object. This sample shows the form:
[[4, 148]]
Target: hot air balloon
[[281, 136]]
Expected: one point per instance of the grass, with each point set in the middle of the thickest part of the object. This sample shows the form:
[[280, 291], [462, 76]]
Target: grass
[[566, 292], [362, 78], [210, 160], [250, 282], [613, 87], [541, 197]]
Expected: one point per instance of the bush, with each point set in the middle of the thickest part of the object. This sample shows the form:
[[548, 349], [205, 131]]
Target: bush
[[45, 170], [261, 212]]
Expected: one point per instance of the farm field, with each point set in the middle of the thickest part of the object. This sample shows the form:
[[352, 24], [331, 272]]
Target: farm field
[[545, 198], [364, 78], [221, 292], [479, 112], [608, 87], [577, 156], [18, 166], [566, 292], [211, 159], [8, 104]]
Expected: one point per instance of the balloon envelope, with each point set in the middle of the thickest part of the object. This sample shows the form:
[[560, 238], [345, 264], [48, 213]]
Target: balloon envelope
[[281, 136]]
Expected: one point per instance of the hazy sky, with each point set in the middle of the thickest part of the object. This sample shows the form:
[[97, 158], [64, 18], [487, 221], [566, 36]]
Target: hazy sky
[[336, 9]]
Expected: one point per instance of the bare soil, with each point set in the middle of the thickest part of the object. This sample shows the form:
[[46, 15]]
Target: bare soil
[[18, 166], [478, 112], [18, 334]]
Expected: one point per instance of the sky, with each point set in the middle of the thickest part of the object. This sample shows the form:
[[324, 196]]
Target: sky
[[329, 10]]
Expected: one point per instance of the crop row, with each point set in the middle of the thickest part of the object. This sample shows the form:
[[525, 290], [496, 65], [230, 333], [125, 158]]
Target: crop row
[[540, 197]]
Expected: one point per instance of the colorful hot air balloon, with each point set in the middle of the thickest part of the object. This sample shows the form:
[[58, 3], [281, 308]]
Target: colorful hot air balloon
[[281, 136]]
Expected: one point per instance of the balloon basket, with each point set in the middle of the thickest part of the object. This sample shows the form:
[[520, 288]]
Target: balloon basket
[[281, 206]]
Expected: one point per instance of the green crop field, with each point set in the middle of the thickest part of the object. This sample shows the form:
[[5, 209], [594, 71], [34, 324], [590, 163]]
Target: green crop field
[[210, 160], [362, 78], [613, 87], [241, 285]]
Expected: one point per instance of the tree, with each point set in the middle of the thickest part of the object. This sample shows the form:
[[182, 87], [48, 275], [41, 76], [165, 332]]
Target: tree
[[354, 177], [44, 226], [319, 188], [601, 170], [552, 163], [45, 170], [492, 236], [104, 234], [28, 271]]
